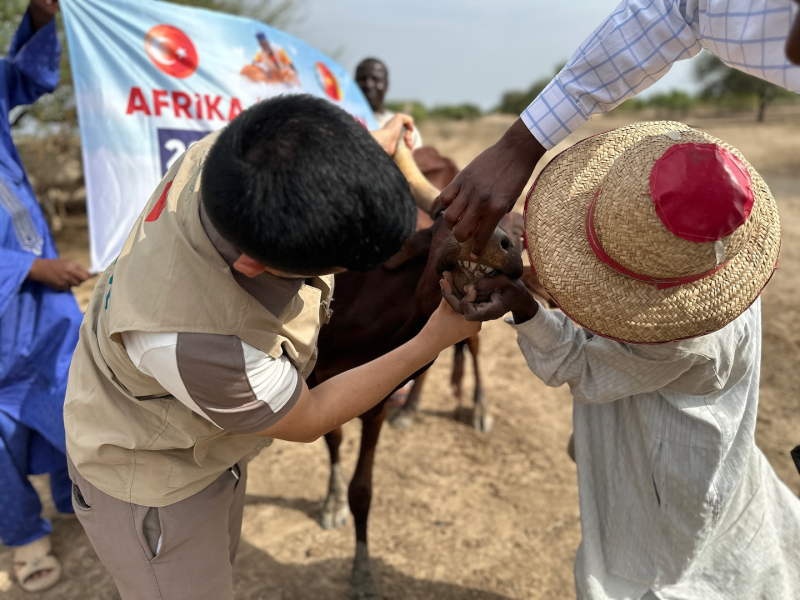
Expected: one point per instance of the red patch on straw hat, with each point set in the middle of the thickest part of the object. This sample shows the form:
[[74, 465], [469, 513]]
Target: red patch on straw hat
[[701, 192]]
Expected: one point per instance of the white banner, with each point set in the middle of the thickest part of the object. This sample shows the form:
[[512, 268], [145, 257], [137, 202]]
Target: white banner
[[152, 78]]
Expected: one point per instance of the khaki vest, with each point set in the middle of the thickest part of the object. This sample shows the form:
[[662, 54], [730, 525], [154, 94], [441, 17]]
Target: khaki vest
[[125, 433]]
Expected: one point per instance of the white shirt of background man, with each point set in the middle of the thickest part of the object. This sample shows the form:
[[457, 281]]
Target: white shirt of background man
[[383, 117]]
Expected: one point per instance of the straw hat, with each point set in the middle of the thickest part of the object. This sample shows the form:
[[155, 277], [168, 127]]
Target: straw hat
[[652, 233]]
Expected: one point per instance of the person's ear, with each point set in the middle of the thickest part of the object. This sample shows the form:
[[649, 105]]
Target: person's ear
[[248, 266]]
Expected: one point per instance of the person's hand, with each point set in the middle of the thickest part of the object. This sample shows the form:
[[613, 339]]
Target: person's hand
[[504, 295], [57, 273], [388, 136], [446, 327], [489, 186], [42, 12]]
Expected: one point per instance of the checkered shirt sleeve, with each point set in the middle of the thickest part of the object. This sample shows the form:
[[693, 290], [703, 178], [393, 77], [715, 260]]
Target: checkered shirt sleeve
[[642, 39]]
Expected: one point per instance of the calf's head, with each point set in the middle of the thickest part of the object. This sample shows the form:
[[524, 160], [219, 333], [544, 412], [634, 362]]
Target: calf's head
[[502, 254]]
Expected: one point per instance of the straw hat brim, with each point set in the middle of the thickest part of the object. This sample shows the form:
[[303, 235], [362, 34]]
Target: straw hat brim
[[613, 305]]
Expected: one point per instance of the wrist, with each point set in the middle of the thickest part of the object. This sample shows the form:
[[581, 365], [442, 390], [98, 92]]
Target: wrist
[[424, 347], [526, 311], [519, 140], [35, 270]]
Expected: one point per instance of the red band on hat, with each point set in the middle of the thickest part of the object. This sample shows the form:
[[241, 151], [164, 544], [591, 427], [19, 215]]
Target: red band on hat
[[701, 192], [602, 256]]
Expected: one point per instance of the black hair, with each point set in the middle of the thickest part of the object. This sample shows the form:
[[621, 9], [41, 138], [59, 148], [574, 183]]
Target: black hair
[[299, 185]]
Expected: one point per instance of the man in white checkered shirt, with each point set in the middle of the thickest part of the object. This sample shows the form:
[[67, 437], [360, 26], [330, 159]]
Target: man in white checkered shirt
[[624, 56], [755, 549]]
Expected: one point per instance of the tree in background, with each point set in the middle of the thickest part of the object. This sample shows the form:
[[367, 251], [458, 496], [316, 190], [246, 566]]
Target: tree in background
[[516, 101], [456, 112], [59, 107], [675, 103], [420, 112], [722, 84], [410, 107]]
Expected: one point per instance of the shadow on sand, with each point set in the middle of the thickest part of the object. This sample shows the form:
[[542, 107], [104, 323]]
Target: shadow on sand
[[310, 508], [257, 575]]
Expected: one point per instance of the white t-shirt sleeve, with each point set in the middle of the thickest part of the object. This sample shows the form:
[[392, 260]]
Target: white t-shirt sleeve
[[221, 378]]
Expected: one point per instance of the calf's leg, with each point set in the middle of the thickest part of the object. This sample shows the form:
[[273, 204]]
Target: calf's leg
[[482, 419], [404, 417], [360, 496], [335, 509], [457, 376]]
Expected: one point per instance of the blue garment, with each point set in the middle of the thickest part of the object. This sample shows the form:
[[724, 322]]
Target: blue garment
[[24, 452], [38, 325]]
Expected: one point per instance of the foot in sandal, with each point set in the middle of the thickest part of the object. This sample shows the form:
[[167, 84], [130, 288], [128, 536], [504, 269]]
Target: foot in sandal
[[35, 567]]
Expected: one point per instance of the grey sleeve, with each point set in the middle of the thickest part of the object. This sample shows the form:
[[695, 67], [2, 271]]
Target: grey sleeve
[[238, 387]]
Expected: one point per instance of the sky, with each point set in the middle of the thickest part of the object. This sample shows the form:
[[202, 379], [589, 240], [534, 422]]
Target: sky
[[457, 51]]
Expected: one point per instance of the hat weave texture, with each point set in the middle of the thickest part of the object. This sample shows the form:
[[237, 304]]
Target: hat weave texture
[[613, 171]]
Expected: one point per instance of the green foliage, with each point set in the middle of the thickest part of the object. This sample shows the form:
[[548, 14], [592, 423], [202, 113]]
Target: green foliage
[[420, 112], [516, 101], [729, 87], [59, 107], [458, 112], [632, 105], [673, 104], [722, 86], [410, 107]]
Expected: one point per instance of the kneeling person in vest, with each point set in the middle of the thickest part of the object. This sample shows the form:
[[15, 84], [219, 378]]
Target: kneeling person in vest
[[196, 342]]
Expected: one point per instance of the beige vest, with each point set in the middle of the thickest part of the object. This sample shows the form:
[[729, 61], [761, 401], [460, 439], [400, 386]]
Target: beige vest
[[125, 433]]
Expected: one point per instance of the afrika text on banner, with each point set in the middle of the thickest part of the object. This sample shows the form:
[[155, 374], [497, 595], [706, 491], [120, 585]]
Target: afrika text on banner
[[152, 78]]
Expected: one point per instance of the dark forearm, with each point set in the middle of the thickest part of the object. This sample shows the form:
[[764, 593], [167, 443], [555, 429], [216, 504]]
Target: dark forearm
[[526, 311], [520, 143]]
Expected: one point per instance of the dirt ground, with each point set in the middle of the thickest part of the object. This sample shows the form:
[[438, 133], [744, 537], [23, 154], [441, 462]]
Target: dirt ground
[[458, 514]]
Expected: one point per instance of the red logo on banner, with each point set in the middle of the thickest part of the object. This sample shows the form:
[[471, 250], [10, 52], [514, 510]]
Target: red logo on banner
[[171, 50], [329, 82]]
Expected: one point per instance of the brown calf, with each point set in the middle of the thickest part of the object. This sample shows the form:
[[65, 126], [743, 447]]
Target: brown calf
[[374, 313]]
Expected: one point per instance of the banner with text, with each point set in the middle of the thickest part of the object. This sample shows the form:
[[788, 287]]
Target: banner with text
[[152, 78]]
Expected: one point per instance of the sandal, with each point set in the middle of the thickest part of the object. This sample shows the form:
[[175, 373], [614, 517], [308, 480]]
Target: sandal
[[33, 558]]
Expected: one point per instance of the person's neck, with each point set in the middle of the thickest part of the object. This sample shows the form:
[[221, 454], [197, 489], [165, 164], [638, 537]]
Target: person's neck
[[271, 291]]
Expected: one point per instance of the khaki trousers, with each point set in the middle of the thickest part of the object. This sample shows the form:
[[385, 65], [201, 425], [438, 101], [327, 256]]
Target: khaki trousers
[[181, 551]]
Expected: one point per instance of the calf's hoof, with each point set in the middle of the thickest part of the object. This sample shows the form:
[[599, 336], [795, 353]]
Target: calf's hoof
[[367, 595], [402, 419], [364, 585], [335, 510], [333, 517], [482, 419]]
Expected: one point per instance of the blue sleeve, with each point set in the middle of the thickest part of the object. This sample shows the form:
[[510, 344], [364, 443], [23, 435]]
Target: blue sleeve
[[31, 67], [14, 268]]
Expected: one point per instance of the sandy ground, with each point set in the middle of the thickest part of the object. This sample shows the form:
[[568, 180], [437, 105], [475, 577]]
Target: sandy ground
[[458, 514]]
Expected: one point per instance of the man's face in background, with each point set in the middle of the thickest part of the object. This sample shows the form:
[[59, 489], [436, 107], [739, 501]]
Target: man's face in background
[[373, 79]]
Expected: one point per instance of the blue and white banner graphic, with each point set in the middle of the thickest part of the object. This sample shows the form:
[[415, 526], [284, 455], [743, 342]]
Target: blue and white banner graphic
[[151, 78]]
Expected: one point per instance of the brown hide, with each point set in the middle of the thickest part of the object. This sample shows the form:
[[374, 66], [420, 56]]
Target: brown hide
[[378, 311], [438, 169], [395, 297]]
